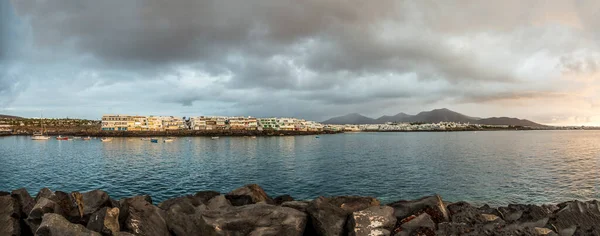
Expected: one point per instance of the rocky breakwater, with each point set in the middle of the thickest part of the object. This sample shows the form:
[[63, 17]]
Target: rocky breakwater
[[250, 211]]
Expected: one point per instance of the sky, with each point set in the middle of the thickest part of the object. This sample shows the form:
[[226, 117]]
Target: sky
[[313, 59]]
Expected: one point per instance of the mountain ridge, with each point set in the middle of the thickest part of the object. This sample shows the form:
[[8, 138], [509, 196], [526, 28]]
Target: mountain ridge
[[433, 116]]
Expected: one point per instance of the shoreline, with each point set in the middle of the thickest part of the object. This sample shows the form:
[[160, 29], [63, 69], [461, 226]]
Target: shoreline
[[249, 210]]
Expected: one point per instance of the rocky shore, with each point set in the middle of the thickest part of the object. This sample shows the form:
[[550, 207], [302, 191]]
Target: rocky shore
[[248, 210]]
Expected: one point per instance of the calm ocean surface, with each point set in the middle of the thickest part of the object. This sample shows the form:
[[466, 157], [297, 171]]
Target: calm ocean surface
[[483, 167]]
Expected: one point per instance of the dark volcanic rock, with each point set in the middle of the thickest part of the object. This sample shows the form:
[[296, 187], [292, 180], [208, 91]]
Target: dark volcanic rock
[[327, 218], [298, 205], [255, 192], [218, 203], [239, 200], [205, 196], [45, 192], [433, 205], [256, 219], [184, 219], [283, 198], [373, 221], [10, 213], [353, 203], [105, 221], [462, 212], [94, 201], [143, 218], [423, 221], [57, 225], [2, 193], [26, 202], [580, 218], [43, 206], [69, 204]]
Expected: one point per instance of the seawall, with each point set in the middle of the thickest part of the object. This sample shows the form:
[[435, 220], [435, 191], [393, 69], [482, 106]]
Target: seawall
[[249, 210]]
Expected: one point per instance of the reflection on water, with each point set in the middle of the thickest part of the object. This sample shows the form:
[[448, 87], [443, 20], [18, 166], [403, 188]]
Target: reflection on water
[[491, 167]]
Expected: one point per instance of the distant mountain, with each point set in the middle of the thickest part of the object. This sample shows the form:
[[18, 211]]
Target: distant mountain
[[507, 121], [353, 118], [395, 118], [433, 116], [9, 117]]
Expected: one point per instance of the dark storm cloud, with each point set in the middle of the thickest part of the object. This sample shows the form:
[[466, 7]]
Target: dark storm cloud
[[288, 57]]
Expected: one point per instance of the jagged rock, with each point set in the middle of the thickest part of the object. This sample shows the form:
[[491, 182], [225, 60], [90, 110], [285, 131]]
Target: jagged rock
[[490, 217], [524, 213], [283, 198], [55, 224], [143, 218], [239, 200], [94, 201], [184, 219], [433, 206], [373, 221], [579, 218], [255, 192], [256, 219], [105, 221], [354, 203], [45, 192], [413, 224], [298, 205], [10, 213], [69, 205], [43, 206], [2, 193], [26, 202], [124, 207], [205, 196], [327, 218], [218, 203], [462, 212]]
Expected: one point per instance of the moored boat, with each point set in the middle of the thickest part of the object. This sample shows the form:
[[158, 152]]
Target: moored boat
[[106, 139], [87, 138], [168, 140], [215, 137], [145, 139], [154, 140], [62, 138], [40, 135]]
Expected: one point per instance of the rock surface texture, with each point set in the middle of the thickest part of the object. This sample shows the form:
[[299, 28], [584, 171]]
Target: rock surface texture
[[249, 210]]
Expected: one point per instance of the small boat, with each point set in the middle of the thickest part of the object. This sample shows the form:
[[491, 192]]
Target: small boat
[[40, 135], [145, 139], [317, 137], [62, 138], [76, 137], [87, 138], [215, 137], [154, 140], [106, 139], [168, 140], [253, 137]]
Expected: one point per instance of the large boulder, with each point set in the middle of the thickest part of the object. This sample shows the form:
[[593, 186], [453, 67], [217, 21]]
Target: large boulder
[[462, 212], [42, 207], [520, 213], [143, 218], [578, 218], [45, 192], [70, 205], [255, 219], [255, 192], [56, 225], [94, 201], [414, 225], [283, 198], [298, 205], [373, 221], [10, 213], [353, 203], [26, 202], [105, 221], [205, 196], [432, 205], [326, 218], [218, 203], [200, 198], [184, 220]]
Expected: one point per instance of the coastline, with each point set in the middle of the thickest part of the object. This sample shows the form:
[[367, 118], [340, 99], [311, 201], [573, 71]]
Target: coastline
[[249, 210]]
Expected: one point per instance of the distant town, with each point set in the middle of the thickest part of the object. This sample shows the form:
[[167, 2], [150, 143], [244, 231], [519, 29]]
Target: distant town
[[224, 124]]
